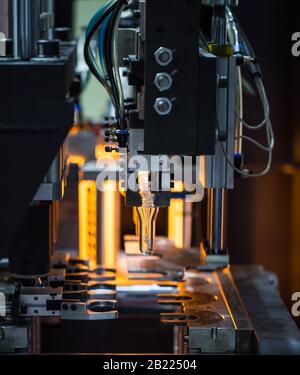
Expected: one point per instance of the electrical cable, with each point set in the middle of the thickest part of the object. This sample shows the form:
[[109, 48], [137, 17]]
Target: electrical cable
[[88, 54], [103, 20], [269, 134], [251, 140], [101, 45], [242, 44], [115, 59], [112, 66]]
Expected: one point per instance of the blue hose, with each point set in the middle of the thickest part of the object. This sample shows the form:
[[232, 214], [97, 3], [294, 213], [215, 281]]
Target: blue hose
[[102, 33]]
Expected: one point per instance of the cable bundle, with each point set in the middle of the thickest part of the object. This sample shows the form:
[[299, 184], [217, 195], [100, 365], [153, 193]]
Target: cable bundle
[[106, 22], [256, 73]]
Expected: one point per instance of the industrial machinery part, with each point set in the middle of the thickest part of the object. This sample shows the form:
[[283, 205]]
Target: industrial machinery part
[[163, 81], [14, 336], [236, 310], [37, 113], [220, 2], [72, 291], [216, 319], [185, 95], [175, 85]]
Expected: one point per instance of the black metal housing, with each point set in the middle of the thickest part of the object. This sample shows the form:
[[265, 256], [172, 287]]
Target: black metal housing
[[36, 115], [189, 129], [32, 245]]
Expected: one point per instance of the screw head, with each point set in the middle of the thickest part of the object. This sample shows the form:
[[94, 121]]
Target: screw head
[[163, 56], [163, 81], [163, 106]]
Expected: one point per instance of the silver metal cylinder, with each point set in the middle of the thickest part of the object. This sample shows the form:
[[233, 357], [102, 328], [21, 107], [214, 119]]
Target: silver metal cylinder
[[47, 19], [47, 6], [51, 10], [219, 25], [26, 27], [233, 34], [215, 221], [216, 195], [239, 105], [16, 33], [233, 3], [30, 17]]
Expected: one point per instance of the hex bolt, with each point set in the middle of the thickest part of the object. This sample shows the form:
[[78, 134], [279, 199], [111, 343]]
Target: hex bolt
[[163, 56], [163, 106], [163, 81]]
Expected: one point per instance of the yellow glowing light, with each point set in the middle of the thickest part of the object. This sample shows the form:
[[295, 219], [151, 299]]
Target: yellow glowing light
[[108, 227], [76, 159], [289, 170], [176, 218], [75, 130], [110, 205], [227, 272], [202, 172], [136, 221], [87, 192], [100, 153]]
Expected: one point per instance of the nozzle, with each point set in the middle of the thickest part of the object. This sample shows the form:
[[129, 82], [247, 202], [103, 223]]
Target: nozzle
[[147, 219], [147, 214]]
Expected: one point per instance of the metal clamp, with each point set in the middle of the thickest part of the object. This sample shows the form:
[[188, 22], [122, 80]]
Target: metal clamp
[[93, 310]]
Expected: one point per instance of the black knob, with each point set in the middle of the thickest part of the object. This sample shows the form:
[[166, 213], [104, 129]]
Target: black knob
[[48, 48], [63, 33]]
